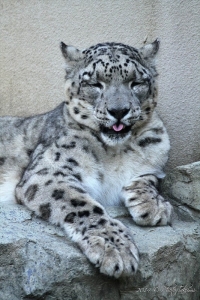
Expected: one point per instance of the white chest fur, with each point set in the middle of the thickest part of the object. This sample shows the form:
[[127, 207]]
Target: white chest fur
[[114, 172]]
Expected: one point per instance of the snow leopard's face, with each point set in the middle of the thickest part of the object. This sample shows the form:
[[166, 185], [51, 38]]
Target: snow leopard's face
[[110, 87]]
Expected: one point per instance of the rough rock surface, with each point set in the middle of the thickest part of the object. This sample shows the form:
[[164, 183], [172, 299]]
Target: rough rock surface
[[183, 185], [38, 262]]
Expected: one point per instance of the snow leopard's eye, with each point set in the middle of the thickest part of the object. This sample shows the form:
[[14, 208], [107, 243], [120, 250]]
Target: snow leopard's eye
[[97, 84], [134, 84], [92, 84], [139, 88]]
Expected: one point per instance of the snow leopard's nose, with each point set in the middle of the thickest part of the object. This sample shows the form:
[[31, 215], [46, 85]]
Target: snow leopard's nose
[[121, 113], [118, 113]]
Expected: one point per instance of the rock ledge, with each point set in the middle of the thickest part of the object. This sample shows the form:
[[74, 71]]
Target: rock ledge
[[38, 262]]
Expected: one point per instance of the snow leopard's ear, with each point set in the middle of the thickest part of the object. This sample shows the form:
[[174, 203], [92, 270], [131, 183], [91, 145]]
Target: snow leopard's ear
[[73, 57], [149, 51], [71, 53]]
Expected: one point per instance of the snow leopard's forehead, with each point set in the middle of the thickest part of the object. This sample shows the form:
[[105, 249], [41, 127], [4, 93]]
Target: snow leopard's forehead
[[114, 52], [114, 61]]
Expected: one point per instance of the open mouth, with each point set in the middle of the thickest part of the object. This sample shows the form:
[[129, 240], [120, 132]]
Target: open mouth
[[117, 129]]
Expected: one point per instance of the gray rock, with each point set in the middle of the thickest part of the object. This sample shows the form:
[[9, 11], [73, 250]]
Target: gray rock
[[183, 185], [37, 261]]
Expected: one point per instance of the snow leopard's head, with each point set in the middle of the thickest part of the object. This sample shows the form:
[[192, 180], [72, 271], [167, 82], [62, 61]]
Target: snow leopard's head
[[110, 87]]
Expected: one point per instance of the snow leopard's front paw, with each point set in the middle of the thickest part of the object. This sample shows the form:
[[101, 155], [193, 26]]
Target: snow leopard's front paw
[[111, 248], [145, 205]]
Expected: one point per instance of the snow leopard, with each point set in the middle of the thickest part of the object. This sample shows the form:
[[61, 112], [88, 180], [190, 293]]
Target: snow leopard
[[104, 146]]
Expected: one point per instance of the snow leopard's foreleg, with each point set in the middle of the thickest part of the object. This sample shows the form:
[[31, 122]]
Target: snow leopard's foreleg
[[55, 193]]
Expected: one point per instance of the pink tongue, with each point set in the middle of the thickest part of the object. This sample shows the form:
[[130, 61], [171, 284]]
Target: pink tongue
[[118, 128]]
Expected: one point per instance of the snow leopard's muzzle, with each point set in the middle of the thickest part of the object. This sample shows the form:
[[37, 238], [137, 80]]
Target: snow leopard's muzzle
[[116, 113], [117, 127]]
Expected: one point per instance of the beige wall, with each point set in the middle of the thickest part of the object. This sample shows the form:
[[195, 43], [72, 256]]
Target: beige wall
[[31, 74]]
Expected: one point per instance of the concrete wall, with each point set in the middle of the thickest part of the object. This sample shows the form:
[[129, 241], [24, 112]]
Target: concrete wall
[[31, 74]]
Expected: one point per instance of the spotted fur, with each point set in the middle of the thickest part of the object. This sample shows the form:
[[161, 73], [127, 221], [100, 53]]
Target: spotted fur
[[104, 146]]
